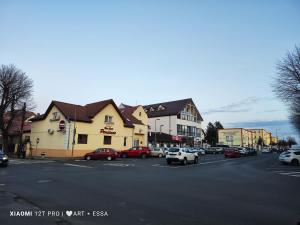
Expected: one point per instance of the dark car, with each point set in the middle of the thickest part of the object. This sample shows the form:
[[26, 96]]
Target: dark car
[[232, 153], [3, 159], [102, 153], [252, 151], [142, 152]]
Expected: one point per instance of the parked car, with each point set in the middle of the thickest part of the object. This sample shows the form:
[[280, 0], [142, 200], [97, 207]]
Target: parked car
[[199, 151], [166, 150], [102, 153], [290, 157], [182, 155], [243, 151], [252, 151], [3, 159], [266, 150], [232, 153], [214, 150], [157, 152], [142, 152]]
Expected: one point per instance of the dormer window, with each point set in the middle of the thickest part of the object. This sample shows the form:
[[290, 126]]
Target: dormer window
[[160, 107], [108, 119], [55, 116], [140, 113]]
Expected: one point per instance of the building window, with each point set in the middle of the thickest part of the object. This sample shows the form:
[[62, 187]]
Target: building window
[[108, 119], [125, 141], [107, 140], [27, 139], [140, 113], [82, 139]]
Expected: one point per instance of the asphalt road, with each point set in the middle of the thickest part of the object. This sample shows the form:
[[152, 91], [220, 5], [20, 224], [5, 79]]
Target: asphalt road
[[245, 191]]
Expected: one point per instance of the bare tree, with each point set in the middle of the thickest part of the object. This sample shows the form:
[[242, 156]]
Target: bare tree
[[15, 90], [287, 84]]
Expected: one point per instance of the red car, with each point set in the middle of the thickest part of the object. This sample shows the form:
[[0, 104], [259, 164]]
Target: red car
[[142, 152], [102, 153], [232, 153]]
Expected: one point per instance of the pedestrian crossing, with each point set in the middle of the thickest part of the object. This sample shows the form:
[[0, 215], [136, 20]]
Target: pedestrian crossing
[[28, 161], [285, 170], [289, 173]]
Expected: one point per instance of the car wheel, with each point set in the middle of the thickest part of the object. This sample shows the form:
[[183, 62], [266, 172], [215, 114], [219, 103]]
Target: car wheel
[[184, 161], [196, 160], [143, 156], [160, 155], [124, 155], [109, 158], [295, 162], [88, 158]]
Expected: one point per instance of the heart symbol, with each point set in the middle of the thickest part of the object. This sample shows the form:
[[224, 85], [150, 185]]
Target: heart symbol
[[69, 213]]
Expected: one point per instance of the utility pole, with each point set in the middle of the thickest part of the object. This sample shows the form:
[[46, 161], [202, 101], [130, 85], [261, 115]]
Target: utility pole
[[74, 134], [155, 131]]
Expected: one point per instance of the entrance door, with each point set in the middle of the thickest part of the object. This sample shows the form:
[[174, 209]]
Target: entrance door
[[136, 143]]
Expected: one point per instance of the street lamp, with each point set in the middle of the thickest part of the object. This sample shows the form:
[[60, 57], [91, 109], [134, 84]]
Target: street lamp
[[155, 131], [160, 127]]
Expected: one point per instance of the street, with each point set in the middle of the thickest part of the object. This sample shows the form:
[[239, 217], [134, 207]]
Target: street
[[244, 191]]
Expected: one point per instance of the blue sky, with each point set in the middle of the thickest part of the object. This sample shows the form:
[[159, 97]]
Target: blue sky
[[220, 53]]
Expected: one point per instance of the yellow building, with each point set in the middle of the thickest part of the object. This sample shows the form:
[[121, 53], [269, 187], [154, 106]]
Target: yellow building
[[67, 130], [262, 133], [274, 140], [236, 137]]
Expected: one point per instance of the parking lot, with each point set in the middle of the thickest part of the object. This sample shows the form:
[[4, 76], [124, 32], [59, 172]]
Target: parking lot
[[247, 190]]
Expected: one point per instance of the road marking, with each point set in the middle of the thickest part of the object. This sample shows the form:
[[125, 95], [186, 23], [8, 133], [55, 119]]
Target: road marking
[[43, 181], [203, 163], [27, 162], [159, 165], [2, 185], [295, 175], [288, 172], [215, 161], [118, 164], [75, 165]]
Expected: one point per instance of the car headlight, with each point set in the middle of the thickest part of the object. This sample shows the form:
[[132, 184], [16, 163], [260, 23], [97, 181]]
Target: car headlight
[[5, 157]]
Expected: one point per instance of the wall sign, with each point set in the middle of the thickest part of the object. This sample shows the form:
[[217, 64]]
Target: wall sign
[[62, 125], [107, 130]]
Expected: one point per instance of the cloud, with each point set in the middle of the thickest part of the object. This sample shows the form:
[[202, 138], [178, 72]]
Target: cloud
[[236, 107], [259, 123]]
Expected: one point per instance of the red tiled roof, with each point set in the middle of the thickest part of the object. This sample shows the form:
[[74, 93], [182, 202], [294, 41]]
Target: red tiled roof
[[17, 122], [80, 113], [128, 114]]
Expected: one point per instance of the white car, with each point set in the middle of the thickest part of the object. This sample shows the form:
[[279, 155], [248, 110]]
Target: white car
[[157, 152], [290, 157], [266, 150], [182, 155], [199, 151]]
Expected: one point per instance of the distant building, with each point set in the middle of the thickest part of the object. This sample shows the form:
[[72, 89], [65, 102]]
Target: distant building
[[180, 120], [244, 137], [238, 137], [264, 135], [15, 130], [274, 140]]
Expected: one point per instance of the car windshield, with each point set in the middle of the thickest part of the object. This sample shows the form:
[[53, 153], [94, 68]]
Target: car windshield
[[174, 150]]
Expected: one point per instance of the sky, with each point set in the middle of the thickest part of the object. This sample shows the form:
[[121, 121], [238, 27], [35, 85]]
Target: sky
[[223, 54]]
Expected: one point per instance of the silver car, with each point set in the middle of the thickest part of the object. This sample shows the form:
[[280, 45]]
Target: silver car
[[157, 152]]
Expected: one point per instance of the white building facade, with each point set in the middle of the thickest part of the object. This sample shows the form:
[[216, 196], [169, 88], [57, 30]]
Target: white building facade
[[180, 120]]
